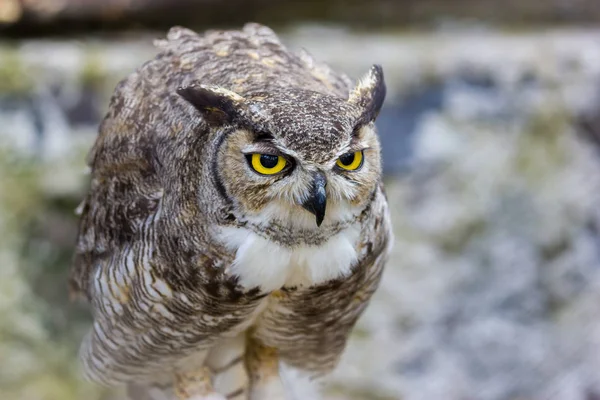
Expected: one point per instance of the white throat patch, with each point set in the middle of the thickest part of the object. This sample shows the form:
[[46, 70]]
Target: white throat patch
[[261, 262]]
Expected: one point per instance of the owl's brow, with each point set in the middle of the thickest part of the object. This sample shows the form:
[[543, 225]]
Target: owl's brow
[[265, 143], [356, 143], [262, 148]]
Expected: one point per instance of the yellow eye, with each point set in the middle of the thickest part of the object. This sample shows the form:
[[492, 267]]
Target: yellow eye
[[350, 161], [267, 164]]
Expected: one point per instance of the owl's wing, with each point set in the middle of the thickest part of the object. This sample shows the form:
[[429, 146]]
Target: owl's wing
[[123, 195], [111, 266], [142, 252]]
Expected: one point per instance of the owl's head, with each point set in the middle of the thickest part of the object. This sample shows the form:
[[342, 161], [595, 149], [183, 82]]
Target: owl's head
[[294, 157]]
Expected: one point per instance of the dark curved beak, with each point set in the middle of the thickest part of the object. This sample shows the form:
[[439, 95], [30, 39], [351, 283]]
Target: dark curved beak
[[317, 201]]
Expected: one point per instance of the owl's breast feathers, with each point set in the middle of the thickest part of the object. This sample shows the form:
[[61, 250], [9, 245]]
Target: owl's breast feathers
[[155, 302], [146, 256]]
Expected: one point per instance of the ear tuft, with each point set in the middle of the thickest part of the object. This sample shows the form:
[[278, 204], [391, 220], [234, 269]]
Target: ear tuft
[[217, 104], [369, 93]]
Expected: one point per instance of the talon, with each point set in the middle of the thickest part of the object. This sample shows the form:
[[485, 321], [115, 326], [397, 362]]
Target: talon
[[195, 385]]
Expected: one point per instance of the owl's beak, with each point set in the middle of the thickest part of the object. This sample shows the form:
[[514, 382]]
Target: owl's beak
[[317, 201]]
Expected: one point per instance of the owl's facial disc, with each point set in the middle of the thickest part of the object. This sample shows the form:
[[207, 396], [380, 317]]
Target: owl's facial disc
[[299, 182], [300, 161]]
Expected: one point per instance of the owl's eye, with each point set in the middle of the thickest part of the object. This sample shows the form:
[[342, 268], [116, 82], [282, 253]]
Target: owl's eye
[[350, 161], [267, 164]]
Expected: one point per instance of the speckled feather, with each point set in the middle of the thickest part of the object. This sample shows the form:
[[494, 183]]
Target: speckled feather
[[149, 257]]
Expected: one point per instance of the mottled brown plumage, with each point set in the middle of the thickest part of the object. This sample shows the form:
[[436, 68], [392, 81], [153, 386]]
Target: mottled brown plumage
[[185, 252]]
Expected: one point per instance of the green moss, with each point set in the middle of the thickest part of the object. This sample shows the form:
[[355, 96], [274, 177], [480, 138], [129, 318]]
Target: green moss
[[40, 329], [360, 333], [454, 242], [542, 146], [19, 193], [93, 73], [15, 78]]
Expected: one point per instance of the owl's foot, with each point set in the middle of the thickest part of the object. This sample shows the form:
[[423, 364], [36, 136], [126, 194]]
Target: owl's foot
[[195, 385], [262, 363]]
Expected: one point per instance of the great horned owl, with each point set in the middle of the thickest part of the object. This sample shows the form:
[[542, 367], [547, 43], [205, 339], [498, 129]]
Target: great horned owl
[[236, 225]]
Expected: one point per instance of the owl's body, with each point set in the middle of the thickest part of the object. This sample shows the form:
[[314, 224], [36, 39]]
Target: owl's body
[[188, 255]]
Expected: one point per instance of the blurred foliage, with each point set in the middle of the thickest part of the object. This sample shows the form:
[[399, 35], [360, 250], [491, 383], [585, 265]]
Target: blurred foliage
[[39, 327], [14, 77]]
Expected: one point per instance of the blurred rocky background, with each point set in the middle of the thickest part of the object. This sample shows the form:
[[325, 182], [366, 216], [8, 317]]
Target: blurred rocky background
[[491, 141]]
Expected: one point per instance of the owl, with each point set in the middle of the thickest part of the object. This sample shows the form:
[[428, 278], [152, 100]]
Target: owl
[[236, 224]]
